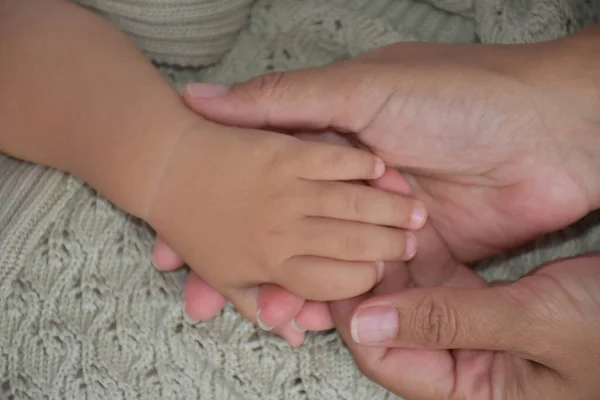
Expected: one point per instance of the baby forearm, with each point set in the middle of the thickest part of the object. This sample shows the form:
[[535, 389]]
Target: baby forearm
[[75, 94]]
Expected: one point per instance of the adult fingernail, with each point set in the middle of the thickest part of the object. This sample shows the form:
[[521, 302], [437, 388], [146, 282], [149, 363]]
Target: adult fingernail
[[206, 90], [375, 324], [418, 216], [294, 325], [261, 324], [411, 246]]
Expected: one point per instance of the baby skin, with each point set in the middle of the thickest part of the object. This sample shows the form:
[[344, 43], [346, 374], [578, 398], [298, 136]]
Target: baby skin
[[278, 309], [272, 208], [243, 208]]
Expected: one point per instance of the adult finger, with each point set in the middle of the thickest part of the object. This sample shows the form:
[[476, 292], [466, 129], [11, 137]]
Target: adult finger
[[344, 96], [495, 318], [410, 373], [440, 374]]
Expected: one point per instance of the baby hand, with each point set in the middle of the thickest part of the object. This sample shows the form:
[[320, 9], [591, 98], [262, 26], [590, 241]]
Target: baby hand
[[281, 311], [246, 208]]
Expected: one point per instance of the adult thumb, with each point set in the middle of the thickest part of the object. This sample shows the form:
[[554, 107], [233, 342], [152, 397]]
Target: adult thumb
[[493, 318], [341, 96]]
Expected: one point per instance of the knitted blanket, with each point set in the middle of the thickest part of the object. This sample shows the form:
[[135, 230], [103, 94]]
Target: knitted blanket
[[85, 316]]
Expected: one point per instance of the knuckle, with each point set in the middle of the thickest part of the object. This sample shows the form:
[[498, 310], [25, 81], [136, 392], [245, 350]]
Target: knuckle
[[264, 91], [278, 155], [266, 85], [434, 323]]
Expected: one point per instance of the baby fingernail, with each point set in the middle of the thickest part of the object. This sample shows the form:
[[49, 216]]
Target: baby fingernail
[[411, 246], [189, 319], [376, 324], [261, 324], [296, 327], [380, 270], [206, 90], [418, 216], [379, 168]]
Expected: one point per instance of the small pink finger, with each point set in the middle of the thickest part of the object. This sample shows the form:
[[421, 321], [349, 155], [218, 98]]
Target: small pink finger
[[392, 181], [165, 258], [277, 306], [314, 316], [291, 335], [201, 302]]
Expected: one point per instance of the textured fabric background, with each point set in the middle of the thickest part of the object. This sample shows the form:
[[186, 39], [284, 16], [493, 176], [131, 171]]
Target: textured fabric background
[[85, 316]]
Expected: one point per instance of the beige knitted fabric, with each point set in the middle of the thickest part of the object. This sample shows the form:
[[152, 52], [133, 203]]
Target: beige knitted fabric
[[182, 32], [84, 315]]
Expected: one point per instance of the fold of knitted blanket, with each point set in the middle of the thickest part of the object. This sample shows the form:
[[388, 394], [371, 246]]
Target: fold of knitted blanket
[[84, 315]]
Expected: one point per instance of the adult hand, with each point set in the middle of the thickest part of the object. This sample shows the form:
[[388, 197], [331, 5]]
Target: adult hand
[[499, 148], [500, 142], [534, 339]]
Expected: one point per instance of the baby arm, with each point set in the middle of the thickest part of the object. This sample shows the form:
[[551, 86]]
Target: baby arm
[[76, 95], [241, 207]]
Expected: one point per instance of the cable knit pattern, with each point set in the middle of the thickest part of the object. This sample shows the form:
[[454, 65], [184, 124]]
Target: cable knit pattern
[[518, 21], [85, 316]]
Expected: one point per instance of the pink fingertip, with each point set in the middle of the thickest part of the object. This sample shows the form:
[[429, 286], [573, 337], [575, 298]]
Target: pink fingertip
[[261, 324], [418, 217], [294, 325], [379, 168]]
